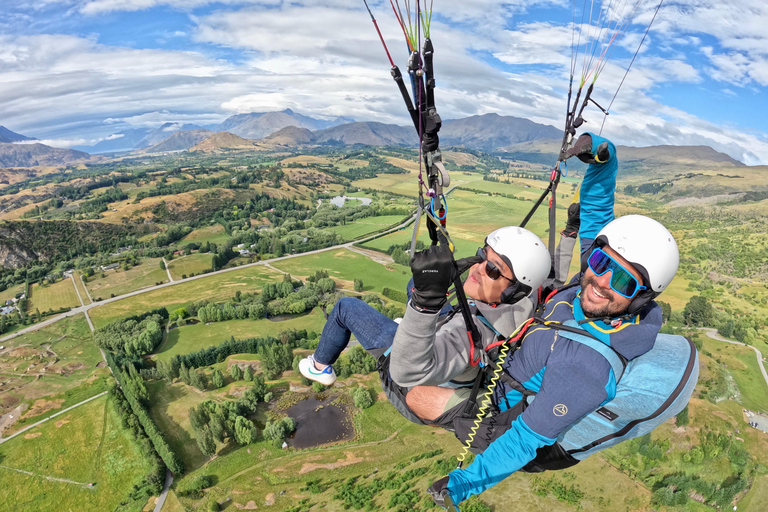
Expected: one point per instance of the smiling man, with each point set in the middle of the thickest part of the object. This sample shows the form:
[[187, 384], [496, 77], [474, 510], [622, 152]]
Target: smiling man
[[625, 263]]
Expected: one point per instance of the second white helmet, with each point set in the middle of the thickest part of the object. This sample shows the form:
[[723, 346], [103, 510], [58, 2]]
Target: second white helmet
[[647, 245], [525, 254]]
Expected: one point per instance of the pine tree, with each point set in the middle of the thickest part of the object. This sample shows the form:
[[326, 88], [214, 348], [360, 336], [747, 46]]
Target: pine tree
[[248, 374], [235, 372]]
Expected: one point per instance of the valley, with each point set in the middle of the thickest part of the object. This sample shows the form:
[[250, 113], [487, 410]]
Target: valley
[[198, 279]]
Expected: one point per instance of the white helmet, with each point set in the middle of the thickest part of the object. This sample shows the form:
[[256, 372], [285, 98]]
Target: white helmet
[[526, 255], [648, 246]]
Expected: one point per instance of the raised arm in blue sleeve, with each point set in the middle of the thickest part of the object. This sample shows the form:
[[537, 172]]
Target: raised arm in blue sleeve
[[597, 191]]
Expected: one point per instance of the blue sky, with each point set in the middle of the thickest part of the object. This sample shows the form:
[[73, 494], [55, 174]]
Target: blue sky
[[75, 71]]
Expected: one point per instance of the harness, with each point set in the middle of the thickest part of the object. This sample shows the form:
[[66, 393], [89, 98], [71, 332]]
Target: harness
[[478, 429]]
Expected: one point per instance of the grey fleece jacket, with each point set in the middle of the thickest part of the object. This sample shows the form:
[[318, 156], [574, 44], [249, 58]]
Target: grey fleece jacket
[[429, 349]]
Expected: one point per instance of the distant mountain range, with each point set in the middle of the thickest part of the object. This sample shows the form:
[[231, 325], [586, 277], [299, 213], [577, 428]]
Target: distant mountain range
[[511, 137], [545, 152]]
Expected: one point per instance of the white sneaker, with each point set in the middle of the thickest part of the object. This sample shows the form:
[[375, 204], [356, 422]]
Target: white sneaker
[[325, 376]]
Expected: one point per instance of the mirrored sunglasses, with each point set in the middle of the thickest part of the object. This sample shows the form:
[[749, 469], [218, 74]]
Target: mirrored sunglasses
[[622, 281]]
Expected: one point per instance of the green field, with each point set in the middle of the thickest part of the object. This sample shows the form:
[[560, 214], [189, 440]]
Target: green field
[[51, 369], [215, 287], [191, 338], [53, 296], [408, 184], [86, 446], [170, 407], [472, 216], [362, 227], [345, 266], [191, 264], [741, 364], [10, 293], [117, 282], [214, 234]]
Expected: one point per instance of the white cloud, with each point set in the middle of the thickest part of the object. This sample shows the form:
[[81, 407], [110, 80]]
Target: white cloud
[[323, 58], [55, 143]]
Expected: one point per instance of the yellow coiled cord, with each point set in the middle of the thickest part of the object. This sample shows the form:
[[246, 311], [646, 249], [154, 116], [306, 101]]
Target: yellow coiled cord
[[486, 402]]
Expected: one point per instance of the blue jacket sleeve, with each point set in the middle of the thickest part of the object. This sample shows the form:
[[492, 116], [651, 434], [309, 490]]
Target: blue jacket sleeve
[[507, 454], [597, 192]]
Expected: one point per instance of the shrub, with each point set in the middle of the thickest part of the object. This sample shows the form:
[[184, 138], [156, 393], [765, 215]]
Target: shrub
[[362, 397]]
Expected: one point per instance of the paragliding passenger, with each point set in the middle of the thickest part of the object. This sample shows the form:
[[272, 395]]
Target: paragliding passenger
[[512, 264], [629, 262]]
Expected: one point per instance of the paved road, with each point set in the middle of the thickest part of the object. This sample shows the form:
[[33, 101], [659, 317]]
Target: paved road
[[164, 494], [51, 417], [87, 307], [712, 333]]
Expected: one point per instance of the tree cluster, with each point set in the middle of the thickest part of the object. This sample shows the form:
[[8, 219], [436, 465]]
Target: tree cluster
[[135, 335], [278, 430], [135, 393], [153, 481]]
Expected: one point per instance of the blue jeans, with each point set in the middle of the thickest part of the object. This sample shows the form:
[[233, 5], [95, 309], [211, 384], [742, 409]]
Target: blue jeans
[[353, 316]]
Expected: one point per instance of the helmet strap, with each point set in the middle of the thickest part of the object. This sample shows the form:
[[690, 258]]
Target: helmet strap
[[516, 292]]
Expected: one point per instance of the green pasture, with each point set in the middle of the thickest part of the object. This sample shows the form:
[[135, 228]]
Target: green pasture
[[344, 266], [365, 226], [64, 355], [408, 184], [191, 264], [170, 410], [87, 446], [118, 282], [215, 287], [58, 295], [741, 363], [190, 338], [214, 234], [472, 216], [10, 293]]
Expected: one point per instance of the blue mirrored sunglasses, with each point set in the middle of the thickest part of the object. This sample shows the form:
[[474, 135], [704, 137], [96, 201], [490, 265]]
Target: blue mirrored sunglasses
[[622, 281]]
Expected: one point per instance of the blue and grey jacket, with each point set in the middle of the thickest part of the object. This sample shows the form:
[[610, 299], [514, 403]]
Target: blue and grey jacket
[[571, 380], [597, 192]]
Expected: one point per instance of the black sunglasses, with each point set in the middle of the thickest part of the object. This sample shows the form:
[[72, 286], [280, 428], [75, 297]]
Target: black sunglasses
[[491, 270]]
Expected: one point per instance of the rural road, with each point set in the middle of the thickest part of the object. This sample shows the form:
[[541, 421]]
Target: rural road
[[87, 307], [712, 333], [164, 494]]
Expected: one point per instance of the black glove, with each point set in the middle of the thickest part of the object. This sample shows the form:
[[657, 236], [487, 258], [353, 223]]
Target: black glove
[[574, 221], [434, 270], [439, 492], [582, 149]]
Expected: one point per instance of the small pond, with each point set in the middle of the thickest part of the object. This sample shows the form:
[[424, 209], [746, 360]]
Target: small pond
[[318, 422], [340, 200]]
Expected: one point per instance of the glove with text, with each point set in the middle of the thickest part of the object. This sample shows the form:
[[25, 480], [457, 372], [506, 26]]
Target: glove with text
[[434, 271]]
